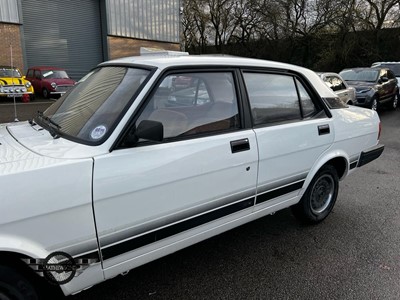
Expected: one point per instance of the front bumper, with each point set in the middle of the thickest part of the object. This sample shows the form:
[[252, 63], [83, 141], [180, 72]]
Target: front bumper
[[370, 154], [12, 95]]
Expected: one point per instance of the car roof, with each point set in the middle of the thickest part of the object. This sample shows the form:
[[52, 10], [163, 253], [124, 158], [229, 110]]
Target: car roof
[[363, 68], [385, 63], [165, 61], [327, 74], [46, 68]]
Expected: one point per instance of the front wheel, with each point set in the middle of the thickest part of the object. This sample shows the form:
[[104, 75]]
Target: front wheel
[[14, 285], [45, 93], [374, 104], [319, 198]]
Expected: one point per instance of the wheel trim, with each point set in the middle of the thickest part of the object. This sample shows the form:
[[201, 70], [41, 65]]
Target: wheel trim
[[322, 194], [374, 104]]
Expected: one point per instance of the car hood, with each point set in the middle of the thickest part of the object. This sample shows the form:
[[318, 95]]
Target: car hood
[[361, 85], [60, 81], [10, 81], [22, 141]]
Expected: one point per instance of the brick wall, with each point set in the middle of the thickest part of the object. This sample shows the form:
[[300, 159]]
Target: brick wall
[[121, 47], [10, 35]]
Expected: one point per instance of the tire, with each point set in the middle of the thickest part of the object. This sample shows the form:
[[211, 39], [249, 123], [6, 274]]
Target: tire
[[14, 285], [375, 104], [395, 101], [319, 198], [45, 93]]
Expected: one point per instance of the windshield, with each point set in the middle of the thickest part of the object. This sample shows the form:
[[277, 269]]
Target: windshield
[[367, 75], [51, 74], [89, 112], [7, 72]]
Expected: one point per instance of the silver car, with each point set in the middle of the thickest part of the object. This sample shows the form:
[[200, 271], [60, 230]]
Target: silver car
[[346, 93]]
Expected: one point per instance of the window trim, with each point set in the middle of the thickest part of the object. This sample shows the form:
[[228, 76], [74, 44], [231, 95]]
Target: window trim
[[315, 97], [118, 144]]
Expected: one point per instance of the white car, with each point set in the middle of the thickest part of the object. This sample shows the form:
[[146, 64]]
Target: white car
[[121, 171], [345, 92]]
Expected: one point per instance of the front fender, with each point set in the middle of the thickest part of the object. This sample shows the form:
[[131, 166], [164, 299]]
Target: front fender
[[22, 246]]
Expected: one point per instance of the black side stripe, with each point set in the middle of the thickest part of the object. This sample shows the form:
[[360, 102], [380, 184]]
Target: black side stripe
[[279, 192], [182, 226], [166, 232], [2, 80]]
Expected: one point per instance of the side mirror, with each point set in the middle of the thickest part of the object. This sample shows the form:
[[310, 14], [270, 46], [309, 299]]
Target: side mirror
[[150, 130], [384, 79]]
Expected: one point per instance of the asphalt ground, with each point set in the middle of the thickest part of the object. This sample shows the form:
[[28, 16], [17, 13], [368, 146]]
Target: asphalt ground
[[22, 111], [353, 254]]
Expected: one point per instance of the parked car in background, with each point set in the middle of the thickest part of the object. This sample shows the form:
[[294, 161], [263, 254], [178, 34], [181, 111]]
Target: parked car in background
[[50, 81], [114, 176], [374, 86], [346, 93], [13, 84], [394, 66]]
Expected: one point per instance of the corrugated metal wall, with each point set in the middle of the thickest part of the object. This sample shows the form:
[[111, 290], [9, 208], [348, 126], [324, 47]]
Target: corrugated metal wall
[[9, 11], [63, 33], [144, 19]]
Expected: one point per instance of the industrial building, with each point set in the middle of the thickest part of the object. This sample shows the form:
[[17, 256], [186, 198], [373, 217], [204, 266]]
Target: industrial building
[[77, 35]]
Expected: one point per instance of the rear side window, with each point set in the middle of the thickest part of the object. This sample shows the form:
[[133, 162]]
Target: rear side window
[[276, 98]]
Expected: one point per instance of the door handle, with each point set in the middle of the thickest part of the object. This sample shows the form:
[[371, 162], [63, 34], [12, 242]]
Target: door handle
[[324, 129], [240, 145]]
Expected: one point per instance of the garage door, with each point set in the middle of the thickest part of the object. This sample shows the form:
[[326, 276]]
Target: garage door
[[63, 33]]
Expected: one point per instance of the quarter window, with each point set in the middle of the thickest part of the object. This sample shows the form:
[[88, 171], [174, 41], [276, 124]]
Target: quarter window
[[276, 98], [190, 104], [307, 105]]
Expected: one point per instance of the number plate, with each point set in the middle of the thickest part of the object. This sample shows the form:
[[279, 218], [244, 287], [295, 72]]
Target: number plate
[[12, 95]]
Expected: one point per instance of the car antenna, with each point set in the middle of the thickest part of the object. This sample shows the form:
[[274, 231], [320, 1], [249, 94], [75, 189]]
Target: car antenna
[[12, 80]]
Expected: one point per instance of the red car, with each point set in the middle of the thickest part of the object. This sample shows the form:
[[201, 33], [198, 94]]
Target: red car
[[49, 81]]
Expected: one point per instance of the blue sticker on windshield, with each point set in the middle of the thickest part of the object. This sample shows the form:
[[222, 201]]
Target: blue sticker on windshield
[[98, 132]]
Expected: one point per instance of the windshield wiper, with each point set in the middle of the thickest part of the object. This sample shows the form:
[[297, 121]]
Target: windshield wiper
[[52, 126]]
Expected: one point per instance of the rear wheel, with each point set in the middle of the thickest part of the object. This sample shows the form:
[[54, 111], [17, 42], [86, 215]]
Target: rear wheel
[[319, 198], [395, 101]]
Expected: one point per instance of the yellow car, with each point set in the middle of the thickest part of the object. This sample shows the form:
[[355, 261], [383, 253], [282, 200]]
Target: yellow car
[[13, 84]]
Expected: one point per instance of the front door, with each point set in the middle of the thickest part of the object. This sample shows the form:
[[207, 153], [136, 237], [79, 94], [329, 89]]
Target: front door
[[151, 197]]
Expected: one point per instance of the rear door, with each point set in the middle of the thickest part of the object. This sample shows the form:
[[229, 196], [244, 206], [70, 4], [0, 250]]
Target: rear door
[[292, 131], [150, 196]]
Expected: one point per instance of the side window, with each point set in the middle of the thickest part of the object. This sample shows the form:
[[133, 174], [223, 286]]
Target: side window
[[190, 104], [30, 73], [37, 74], [390, 74], [273, 98]]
